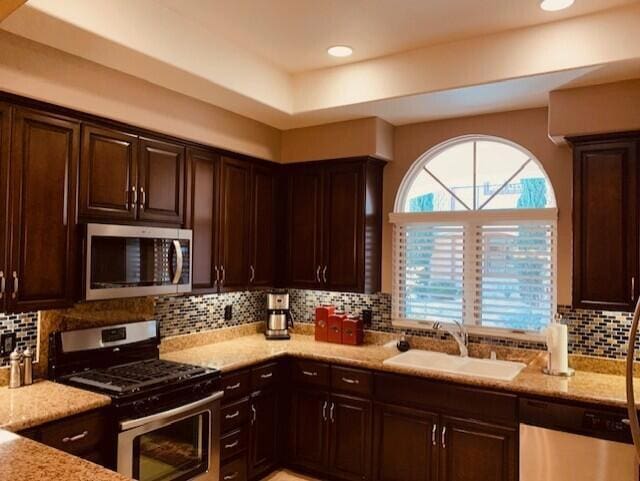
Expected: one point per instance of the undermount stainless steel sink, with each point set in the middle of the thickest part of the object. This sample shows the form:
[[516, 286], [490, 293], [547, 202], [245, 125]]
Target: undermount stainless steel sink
[[437, 361]]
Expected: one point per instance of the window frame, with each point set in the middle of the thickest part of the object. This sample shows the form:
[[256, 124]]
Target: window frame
[[471, 218]]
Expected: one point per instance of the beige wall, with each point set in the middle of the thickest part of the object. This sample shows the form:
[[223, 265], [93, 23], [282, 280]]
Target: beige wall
[[525, 127], [351, 138], [44, 73], [612, 107]]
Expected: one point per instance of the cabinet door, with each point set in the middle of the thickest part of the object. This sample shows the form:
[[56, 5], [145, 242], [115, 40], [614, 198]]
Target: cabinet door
[[473, 451], [304, 243], [308, 429], [605, 223], [405, 444], [235, 218], [343, 267], [202, 210], [161, 181], [263, 439], [44, 163], [5, 141], [108, 164], [350, 438], [263, 226]]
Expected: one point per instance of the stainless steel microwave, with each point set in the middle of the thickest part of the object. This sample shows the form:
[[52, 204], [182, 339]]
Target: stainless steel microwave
[[132, 261]]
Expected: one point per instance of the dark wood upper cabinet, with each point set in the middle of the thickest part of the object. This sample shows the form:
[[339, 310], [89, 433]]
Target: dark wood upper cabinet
[[264, 446], [334, 225], [108, 172], [43, 171], [405, 442], [472, 451], [304, 226], [5, 142], [202, 216], [264, 218], [161, 177], [235, 223], [605, 224], [350, 438]]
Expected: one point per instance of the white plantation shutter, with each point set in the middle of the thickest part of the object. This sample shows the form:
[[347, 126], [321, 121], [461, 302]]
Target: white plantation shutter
[[492, 269], [515, 274]]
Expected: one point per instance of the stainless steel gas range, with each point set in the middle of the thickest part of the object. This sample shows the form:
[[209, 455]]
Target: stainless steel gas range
[[164, 415]]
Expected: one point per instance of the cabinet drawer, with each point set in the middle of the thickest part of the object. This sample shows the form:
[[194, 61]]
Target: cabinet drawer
[[234, 415], [234, 470], [76, 435], [311, 373], [355, 381], [233, 443], [264, 376], [235, 385]]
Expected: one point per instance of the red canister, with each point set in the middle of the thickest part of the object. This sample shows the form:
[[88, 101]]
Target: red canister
[[335, 328], [322, 322], [352, 331]]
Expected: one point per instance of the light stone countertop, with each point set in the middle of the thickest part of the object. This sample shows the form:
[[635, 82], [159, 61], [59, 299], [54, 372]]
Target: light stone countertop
[[42, 402], [26, 460], [229, 355]]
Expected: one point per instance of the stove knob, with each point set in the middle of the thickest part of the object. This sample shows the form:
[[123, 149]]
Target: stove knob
[[139, 407]]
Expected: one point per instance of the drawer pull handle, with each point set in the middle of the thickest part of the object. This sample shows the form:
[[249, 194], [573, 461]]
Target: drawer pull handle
[[232, 445], [266, 375], [234, 386], [77, 437], [444, 437], [310, 373], [254, 414], [229, 477], [350, 381], [234, 415]]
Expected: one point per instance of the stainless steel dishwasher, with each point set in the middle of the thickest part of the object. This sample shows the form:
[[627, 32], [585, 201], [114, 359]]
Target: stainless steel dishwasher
[[561, 442]]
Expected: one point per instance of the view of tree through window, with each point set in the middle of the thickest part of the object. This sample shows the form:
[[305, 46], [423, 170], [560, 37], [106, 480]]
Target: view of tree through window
[[489, 269]]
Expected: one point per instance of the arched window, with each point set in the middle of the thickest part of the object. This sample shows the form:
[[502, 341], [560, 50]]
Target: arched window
[[475, 238]]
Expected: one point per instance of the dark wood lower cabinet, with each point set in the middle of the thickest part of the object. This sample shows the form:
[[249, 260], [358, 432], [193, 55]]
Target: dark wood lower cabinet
[[265, 425], [473, 451], [405, 442], [308, 436], [350, 438]]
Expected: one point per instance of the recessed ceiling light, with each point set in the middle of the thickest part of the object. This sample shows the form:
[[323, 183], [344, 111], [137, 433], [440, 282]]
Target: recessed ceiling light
[[555, 5], [340, 51]]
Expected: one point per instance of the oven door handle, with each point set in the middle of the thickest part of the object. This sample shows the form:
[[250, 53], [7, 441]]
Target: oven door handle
[[179, 261], [134, 423]]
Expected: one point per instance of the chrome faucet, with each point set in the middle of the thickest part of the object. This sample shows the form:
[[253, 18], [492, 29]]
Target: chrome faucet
[[461, 335]]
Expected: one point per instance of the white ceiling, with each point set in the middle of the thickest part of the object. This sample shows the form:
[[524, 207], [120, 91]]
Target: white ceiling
[[414, 60], [294, 34]]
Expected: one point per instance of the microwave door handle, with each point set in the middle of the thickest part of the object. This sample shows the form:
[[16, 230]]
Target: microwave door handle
[[179, 261]]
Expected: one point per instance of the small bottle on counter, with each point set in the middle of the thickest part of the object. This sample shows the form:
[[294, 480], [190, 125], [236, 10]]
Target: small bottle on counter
[[15, 374], [28, 367]]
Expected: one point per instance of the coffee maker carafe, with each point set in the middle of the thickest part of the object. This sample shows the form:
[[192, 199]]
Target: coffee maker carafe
[[279, 318]]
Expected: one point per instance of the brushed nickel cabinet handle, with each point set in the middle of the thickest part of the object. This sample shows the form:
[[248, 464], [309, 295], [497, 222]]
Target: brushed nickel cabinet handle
[[310, 373], [217, 275], [233, 386], [266, 375], [253, 274], [3, 284], [224, 275], [633, 288], [134, 190], [350, 381], [229, 477], [434, 432], [324, 411], [254, 414], [16, 285], [232, 445], [444, 437], [77, 437], [333, 407], [232, 416], [318, 274], [143, 198], [324, 274]]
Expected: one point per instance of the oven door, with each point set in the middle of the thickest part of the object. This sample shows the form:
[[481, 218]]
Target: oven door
[[129, 261], [176, 445]]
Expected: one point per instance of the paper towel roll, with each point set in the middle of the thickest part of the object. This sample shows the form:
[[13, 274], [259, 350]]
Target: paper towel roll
[[558, 347]]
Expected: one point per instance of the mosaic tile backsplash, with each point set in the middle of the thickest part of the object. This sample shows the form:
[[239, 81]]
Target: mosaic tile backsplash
[[594, 333]]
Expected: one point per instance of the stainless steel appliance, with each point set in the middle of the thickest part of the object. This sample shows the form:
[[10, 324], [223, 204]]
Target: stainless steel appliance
[[279, 318], [165, 416], [560, 442], [131, 261], [632, 410]]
